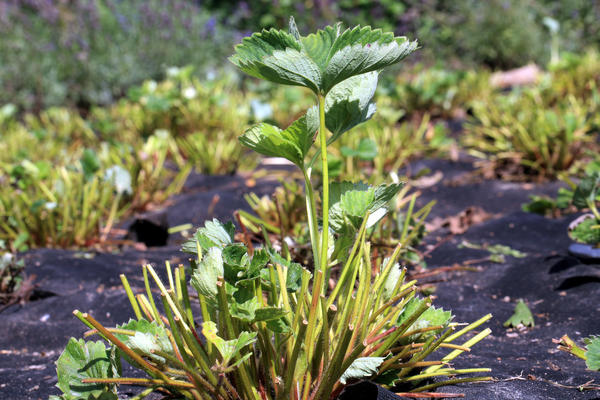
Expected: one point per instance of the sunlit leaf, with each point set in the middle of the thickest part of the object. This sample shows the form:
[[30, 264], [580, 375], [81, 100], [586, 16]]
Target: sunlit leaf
[[213, 234], [81, 360], [206, 276], [361, 368], [227, 348], [349, 103], [321, 60], [292, 143]]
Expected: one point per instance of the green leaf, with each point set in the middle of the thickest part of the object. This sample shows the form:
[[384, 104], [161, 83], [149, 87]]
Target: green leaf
[[277, 56], [521, 316], [245, 311], [228, 348], [148, 336], [280, 325], [206, 276], [360, 50], [362, 367], [213, 234], [294, 271], [431, 317], [292, 143], [81, 360], [351, 201], [366, 150], [350, 103], [269, 314], [321, 60], [592, 353], [586, 191], [585, 229]]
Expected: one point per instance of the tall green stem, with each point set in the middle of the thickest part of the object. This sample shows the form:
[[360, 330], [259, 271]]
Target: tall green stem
[[311, 212], [325, 199]]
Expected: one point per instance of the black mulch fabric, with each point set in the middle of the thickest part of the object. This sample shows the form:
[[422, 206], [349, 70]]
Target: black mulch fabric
[[562, 292]]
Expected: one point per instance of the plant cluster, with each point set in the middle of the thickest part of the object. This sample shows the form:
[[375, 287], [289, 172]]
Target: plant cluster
[[437, 91], [69, 178], [529, 133], [272, 329]]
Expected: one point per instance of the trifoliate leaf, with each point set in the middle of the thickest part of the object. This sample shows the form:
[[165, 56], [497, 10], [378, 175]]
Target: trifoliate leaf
[[592, 353], [206, 276], [292, 143], [81, 360], [366, 150], [228, 348], [350, 103], [321, 60], [361, 368], [521, 316], [586, 191], [213, 234]]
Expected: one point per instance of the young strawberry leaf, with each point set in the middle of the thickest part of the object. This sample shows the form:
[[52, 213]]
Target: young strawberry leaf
[[206, 276], [213, 234], [228, 348], [521, 316], [350, 103], [592, 353], [321, 60], [351, 201], [292, 143], [360, 50], [361, 368], [81, 360], [431, 317], [148, 336], [277, 56]]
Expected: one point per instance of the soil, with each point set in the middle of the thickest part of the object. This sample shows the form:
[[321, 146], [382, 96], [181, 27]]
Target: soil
[[561, 291]]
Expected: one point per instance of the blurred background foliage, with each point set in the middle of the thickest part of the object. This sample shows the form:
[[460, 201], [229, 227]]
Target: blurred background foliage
[[89, 52]]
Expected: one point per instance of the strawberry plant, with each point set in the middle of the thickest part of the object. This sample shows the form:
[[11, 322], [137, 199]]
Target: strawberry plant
[[268, 327]]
